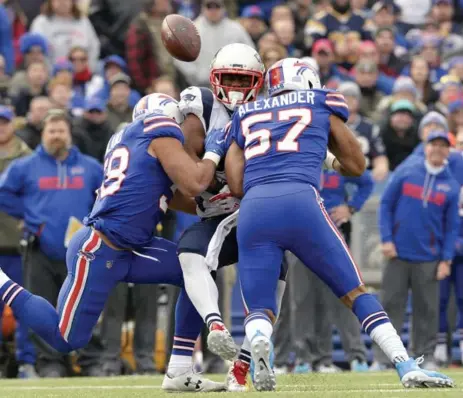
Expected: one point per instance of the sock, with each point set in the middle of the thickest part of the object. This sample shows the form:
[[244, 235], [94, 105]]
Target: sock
[[181, 360], [200, 286], [245, 352], [441, 338], [376, 323], [258, 322], [34, 312]]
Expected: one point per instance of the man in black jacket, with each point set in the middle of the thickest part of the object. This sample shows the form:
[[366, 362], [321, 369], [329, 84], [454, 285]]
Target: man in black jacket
[[31, 132], [94, 129]]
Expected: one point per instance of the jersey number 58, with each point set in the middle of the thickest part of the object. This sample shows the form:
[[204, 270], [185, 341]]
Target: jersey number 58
[[288, 143]]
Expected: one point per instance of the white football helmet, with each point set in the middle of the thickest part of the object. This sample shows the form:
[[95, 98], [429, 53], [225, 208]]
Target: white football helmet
[[157, 103], [237, 74], [291, 74]]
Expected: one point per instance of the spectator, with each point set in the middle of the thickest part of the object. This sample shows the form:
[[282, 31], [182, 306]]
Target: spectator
[[303, 10], [455, 115], [367, 133], [455, 279], [323, 53], [112, 66], [384, 17], [334, 23], [94, 128], [211, 23], [60, 93], [34, 48], [413, 13], [442, 12], [63, 25], [404, 88], [455, 67], [165, 85], [31, 132], [56, 179], [18, 25], [419, 225], [268, 39], [253, 20], [273, 54], [285, 32], [37, 77], [399, 132], [146, 55], [419, 72], [389, 63], [429, 47], [6, 40], [4, 80], [11, 148], [111, 20], [119, 109], [366, 76], [450, 89], [86, 84]]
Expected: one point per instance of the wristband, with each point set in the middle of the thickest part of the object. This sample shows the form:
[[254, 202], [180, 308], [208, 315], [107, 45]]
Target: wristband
[[329, 160], [213, 157]]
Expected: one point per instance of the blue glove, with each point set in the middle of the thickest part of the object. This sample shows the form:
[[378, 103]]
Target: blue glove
[[218, 142]]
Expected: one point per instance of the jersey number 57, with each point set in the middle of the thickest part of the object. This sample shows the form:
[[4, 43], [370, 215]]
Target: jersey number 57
[[289, 143]]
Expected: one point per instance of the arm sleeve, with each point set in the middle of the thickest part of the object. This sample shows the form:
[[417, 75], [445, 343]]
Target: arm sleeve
[[6, 41], [235, 131], [388, 203], [157, 126], [451, 229], [365, 185], [336, 105], [199, 101], [11, 186]]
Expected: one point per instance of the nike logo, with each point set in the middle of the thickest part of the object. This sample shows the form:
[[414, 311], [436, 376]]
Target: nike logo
[[219, 142], [263, 364]]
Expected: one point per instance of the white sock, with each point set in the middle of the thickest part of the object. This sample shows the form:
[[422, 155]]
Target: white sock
[[3, 278], [258, 325], [179, 364], [390, 343], [200, 286]]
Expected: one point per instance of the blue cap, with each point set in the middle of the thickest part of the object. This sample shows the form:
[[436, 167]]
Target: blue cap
[[252, 12], [95, 104], [6, 113], [116, 60], [63, 65], [29, 40], [438, 135]]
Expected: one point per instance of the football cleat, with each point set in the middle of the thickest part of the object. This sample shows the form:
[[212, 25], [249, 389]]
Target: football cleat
[[221, 343], [237, 377], [190, 382], [358, 366], [412, 376], [262, 355]]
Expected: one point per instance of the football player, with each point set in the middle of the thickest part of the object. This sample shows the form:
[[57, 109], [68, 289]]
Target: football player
[[145, 163], [275, 161], [236, 76]]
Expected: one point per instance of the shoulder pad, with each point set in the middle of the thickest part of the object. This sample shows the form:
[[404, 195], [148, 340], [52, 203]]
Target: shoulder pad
[[199, 101]]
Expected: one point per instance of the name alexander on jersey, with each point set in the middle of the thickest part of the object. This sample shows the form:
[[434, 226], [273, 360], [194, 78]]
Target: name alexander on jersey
[[290, 98]]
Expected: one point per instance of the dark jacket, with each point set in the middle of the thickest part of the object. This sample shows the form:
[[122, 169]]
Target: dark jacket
[[30, 134], [96, 137]]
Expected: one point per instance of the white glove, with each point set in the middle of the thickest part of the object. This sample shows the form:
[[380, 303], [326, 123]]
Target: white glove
[[329, 160]]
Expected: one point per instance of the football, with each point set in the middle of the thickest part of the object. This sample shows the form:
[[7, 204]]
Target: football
[[180, 37]]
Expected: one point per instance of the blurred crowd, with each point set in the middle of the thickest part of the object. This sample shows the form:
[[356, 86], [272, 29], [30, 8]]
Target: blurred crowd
[[86, 63]]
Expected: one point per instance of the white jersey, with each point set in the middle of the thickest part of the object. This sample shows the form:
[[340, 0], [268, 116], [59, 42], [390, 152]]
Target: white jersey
[[214, 115]]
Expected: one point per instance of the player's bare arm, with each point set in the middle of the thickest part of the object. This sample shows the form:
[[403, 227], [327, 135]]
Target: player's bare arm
[[234, 170], [350, 160], [193, 131], [180, 202], [191, 177]]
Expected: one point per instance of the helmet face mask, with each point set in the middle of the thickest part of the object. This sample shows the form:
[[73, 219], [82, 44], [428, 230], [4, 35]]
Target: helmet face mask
[[237, 74], [157, 103]]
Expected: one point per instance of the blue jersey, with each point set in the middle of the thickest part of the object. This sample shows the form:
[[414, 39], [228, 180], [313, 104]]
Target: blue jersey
[[285, 138], [136, 190]]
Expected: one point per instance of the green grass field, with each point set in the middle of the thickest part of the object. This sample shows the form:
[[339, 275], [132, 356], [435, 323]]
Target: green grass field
[[344, 385]]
